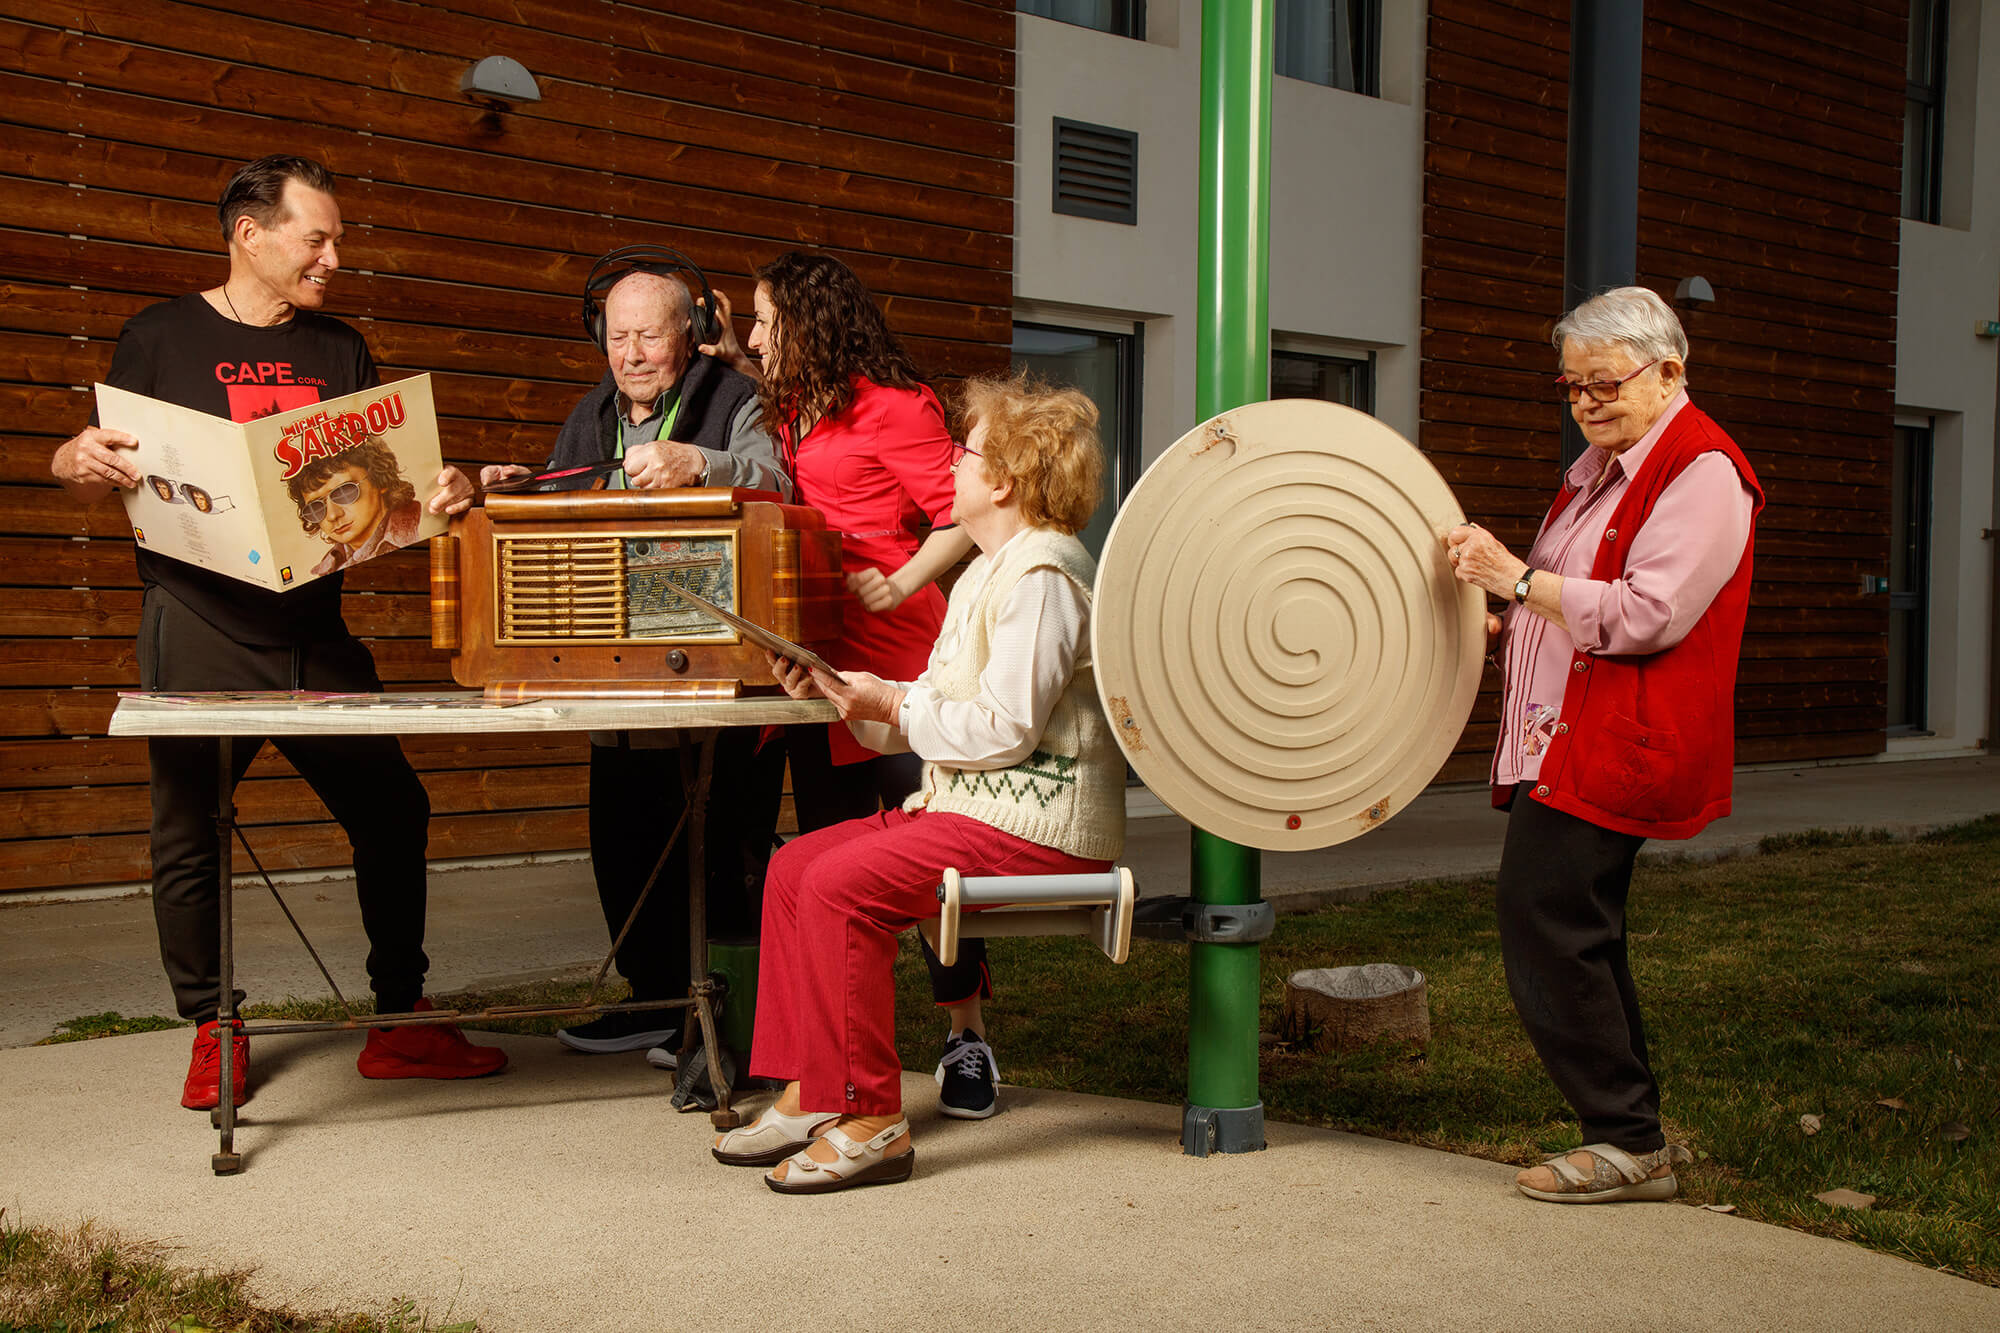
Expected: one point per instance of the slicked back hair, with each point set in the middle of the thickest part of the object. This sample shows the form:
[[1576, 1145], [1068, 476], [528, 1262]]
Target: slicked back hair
[[258, 188]]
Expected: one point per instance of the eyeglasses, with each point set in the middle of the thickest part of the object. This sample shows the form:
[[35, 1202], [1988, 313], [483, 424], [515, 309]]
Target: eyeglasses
[[1603, 391], [312, 511], [959, 451], [187, 493]]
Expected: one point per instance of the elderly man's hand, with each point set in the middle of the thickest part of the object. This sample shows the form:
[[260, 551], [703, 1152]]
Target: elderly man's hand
[[665, 464], [90, 461], [495, 472], [454, 494]]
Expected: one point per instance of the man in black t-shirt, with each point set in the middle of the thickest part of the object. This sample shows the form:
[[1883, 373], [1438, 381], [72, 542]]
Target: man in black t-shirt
[[251, 347]]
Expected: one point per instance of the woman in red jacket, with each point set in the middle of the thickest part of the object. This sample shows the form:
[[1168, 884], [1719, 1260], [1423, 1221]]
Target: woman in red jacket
[[1617, 715], [867, 445]]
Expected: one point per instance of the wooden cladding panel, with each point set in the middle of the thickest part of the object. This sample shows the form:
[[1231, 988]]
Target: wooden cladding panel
[[1770, 160], [1770, 164], [879, 132]]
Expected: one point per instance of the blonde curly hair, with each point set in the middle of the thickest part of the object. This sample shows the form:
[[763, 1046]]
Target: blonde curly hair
[[1043, 439]]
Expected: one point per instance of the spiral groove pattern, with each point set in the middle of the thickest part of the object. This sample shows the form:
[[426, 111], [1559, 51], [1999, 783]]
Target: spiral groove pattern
[[1279, 642]]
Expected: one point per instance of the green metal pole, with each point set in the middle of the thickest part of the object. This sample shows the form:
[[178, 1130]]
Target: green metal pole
[[1232, 355]]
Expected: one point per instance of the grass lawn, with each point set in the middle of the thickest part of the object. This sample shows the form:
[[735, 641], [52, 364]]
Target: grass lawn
[[1846, 978], [1823, 978]]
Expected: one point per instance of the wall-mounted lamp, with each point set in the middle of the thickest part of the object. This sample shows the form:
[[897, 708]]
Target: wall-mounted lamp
[[501, 78], [1694, 293]]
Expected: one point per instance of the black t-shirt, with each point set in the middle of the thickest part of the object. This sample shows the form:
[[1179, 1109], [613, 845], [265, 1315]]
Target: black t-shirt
[[182, 351]]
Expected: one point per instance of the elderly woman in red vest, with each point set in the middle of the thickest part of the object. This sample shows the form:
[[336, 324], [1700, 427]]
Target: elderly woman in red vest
[[1619, 652]]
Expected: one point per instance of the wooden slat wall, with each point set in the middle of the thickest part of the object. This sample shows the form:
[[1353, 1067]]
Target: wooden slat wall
[[1770, 153], [881, 130], [1495, 144], [1771, 165]]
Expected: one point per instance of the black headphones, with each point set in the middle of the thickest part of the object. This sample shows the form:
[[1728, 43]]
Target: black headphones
[[703, 326]]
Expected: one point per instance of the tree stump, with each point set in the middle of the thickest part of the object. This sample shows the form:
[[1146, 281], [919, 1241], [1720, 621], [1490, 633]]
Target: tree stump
[[1346, 1008]]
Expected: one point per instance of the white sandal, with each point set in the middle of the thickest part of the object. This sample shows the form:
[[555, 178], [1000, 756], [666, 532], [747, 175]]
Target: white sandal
[[858, 1164], [770, 1138], [1615, 1175]]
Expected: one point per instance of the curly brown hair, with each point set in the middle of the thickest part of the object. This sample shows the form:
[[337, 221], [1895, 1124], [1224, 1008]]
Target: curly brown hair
[[1041, 437], [828, 330], [374, 457]]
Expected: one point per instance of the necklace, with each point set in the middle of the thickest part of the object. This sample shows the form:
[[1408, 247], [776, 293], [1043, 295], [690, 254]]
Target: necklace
[[232, 305]]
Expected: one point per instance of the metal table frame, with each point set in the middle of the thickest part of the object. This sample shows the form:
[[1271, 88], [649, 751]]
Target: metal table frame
[[697, 723]]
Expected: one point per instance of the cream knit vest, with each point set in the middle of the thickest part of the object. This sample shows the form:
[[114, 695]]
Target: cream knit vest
[[1069, 793]]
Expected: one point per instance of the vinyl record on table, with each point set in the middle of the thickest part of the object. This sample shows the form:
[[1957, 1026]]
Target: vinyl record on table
[[1279, 642]]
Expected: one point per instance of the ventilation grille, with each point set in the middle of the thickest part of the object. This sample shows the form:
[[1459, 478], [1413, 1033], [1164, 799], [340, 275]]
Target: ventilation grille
[[562, 589], [1096, 172]]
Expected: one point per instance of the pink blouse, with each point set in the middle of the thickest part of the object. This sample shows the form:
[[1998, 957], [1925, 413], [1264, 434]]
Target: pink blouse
[[1689, 547]]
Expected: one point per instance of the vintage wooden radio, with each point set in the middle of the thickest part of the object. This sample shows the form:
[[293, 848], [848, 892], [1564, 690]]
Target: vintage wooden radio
[[571, 594]]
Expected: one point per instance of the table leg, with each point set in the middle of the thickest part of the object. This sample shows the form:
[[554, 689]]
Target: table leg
[[697, 784], [226, 1161]]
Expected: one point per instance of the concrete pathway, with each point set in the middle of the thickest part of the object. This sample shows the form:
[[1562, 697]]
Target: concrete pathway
[[565, 1193]]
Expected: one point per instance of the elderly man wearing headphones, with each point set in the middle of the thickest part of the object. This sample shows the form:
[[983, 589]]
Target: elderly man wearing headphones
[[664, 415]]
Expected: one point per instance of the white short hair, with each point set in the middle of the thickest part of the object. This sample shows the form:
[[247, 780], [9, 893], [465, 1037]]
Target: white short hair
[[1631, 317]]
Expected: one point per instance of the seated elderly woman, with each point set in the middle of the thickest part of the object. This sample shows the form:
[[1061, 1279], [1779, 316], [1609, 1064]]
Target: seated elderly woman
[[1021, 777], [1617, 715]]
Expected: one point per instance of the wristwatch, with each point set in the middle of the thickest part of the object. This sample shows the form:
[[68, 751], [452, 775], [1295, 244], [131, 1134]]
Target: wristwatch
[[1521, 585]]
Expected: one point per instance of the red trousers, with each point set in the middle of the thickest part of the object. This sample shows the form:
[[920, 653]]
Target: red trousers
[[834, 901]]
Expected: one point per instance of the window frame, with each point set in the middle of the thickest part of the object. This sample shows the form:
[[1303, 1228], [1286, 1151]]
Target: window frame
[[1360, 358], [1132, 13], [1925, 202], [1368, 73]]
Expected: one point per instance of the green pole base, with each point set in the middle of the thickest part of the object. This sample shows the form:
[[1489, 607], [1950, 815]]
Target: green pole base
[[1206, 1130]]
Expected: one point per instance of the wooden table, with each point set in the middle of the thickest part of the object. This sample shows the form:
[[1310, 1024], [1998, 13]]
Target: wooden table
[[698, 723]]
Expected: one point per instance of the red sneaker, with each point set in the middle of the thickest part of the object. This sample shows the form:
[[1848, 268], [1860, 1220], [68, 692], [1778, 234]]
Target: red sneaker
[[426, 1052], [203, 1089]]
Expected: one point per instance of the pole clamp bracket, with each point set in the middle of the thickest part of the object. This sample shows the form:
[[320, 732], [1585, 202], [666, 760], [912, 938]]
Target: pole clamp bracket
[[1228, 923]]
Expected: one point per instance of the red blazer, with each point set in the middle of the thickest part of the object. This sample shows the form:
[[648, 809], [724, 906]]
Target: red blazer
[[1647, 743]]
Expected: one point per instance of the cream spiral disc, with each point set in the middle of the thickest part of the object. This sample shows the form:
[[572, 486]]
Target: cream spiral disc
[[1279, 642]]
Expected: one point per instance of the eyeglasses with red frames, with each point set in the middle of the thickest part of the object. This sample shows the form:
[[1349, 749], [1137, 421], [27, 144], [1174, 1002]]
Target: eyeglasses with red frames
[[959, 451], [1604, 391]]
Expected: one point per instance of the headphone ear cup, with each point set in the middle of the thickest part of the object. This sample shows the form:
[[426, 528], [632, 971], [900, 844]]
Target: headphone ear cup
[[703, 325]]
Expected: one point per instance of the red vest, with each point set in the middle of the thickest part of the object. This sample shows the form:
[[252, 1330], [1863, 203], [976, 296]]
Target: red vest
[[1646, 742]]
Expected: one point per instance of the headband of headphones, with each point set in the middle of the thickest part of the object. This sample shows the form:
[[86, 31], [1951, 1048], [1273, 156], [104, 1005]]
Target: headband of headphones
[[605, 273]]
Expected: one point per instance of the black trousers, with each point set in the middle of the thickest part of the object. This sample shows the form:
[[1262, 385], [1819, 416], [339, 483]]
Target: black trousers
[[825, 793], [636, 797], [364, 781], [1561, 899]]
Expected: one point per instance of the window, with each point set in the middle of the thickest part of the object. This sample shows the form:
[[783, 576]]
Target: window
[[1120, 18], [1348, 380], [1923, 112], [1910, 581], [1334, 42], [1106, 367]]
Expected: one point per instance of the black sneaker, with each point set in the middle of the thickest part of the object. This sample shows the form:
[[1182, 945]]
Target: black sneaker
[[968, 1078], [608, 1034]]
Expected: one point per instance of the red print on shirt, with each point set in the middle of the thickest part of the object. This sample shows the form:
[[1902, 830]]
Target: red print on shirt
[[262, 388]]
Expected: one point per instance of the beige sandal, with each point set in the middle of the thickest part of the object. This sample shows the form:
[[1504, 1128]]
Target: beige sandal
[[1615, 1175], [858, 1164], [770, 1138]]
